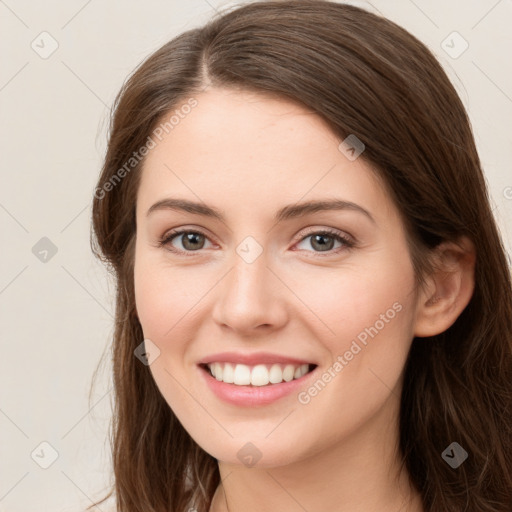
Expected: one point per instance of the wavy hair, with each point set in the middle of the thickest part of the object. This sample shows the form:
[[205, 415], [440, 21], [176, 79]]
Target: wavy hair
[[364, 75]]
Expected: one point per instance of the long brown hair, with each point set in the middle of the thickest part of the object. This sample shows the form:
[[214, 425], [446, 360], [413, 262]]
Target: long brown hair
[[365, 76]]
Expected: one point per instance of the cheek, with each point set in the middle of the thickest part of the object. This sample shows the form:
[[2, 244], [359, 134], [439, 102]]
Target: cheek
[[153, 300], [164, 296], [368, 338], [345, 302], [165, 299], [374, 328], [365, 320]]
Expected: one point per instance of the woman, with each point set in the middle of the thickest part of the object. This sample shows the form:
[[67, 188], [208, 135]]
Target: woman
[[314, 305]]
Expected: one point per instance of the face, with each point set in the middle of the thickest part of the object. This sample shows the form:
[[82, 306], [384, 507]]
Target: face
[[267, 284]]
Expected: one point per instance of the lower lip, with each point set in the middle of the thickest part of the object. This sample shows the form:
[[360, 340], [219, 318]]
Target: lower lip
[[251, 396]]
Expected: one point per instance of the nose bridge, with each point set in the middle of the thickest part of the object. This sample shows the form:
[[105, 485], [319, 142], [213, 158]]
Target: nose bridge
[[249, 293]]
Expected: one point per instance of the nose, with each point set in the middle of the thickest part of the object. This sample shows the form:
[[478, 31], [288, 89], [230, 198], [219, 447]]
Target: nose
[[250, 299]]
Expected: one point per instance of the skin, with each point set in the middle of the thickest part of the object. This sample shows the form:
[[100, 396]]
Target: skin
[[249, 155]]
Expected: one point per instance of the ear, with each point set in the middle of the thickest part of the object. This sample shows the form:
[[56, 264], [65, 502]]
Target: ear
[[448, 289]]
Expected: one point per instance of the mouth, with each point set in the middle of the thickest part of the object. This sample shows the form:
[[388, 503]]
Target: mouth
[[259, 375]]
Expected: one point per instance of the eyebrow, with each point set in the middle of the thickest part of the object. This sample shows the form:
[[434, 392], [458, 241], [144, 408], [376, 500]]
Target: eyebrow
[[287, 212]]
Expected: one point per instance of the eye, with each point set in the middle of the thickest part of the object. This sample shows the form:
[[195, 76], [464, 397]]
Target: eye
[[323, 241], [190, 240]]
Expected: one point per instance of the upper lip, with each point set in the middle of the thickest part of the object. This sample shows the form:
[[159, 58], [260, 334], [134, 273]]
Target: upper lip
[[252, 359]]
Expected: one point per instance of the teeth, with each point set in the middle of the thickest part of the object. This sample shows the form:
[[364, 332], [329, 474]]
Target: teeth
[[229, 373], [242, 375], [218, 371], [258, 375]]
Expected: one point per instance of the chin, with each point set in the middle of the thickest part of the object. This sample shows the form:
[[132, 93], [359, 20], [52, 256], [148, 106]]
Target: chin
[[256, 451]]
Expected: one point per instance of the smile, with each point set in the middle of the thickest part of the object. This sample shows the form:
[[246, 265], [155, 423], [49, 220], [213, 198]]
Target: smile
[[253, 386], [257, 375]]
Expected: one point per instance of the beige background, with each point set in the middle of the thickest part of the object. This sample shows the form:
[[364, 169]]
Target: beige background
[[56, 314]]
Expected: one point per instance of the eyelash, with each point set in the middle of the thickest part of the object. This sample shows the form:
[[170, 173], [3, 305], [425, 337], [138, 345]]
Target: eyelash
[[348, 243]]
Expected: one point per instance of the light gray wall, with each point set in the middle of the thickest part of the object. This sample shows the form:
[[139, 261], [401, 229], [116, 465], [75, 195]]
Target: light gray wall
[[56, 309]]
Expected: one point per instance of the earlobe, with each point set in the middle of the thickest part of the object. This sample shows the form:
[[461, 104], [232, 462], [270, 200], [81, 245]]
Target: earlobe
[[449, 288]]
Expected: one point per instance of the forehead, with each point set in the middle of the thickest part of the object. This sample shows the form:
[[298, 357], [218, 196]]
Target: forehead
[[255, 152]]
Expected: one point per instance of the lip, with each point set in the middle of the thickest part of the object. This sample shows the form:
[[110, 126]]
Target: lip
[[252, 359], [253, 396]]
